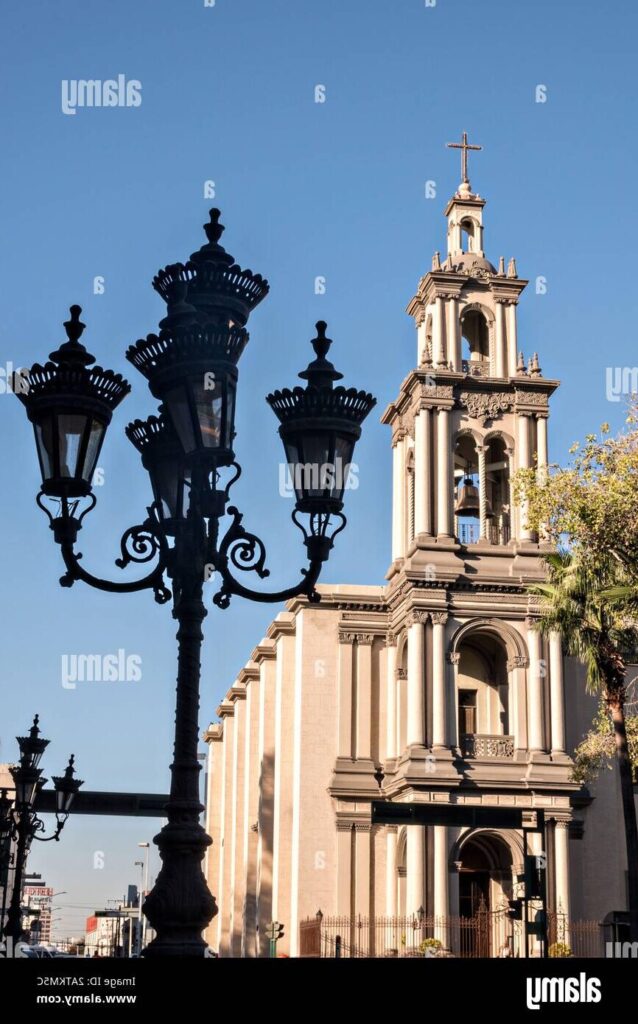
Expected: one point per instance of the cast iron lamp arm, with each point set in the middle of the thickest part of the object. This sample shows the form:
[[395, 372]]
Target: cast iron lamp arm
[[139, 544], [247, 553]]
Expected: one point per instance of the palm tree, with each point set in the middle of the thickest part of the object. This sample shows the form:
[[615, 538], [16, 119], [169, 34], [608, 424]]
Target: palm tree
[[589, 603]]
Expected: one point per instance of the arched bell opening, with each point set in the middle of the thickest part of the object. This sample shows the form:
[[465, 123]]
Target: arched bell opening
[[497, 491], [467, 506], [475, 343]]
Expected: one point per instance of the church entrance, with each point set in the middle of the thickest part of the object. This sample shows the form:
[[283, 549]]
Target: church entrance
[[485, 887]]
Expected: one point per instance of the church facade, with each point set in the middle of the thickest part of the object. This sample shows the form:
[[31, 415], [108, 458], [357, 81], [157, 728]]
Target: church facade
[[434, 687]]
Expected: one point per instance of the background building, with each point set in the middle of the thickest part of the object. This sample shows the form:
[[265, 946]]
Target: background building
[[435, 687]]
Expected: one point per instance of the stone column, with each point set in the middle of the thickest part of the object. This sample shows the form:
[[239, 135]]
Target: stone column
[[541, 444], [364, 695], [362, 832], [453, 700], [534, 689], [422, 473], [415, 863], [556, 694], [438, 332], [443, 474], [392, 834], [561, 871], [482, 451], [416, 681], [439, 666], [391, 696], [344, 869], [398, 495], [523, 463], [441, 891], [499, 360], [346, 702], [453, 335], [512, 339]]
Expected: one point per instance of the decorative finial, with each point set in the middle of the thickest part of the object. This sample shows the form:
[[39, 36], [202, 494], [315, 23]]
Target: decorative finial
[[321, 344], [501, 266], [320, 372], [511, 268], [520, 366], [436, 261], [73, 351], [536, 370], [74, 327], [214, 230]]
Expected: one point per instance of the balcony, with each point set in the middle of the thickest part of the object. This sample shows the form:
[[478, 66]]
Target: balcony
[[476, 368], [482, 747], [496, 532]]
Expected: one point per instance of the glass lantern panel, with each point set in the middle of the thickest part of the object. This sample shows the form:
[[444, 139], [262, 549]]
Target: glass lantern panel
[[71, 428], [317, 463], [209, 406], [179, 410], [292, 460], [96, 434], [230, 415], [344, 448], [44, 441]]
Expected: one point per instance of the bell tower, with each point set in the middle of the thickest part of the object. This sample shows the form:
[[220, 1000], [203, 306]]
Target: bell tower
[[472, 412]]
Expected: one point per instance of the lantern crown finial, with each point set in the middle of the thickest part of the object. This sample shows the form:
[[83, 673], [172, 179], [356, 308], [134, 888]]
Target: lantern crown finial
[[214, 229], [72, 352], [321, 372]]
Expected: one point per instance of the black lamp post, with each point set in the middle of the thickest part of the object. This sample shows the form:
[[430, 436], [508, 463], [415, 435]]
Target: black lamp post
[[20, 823], [191, 368]]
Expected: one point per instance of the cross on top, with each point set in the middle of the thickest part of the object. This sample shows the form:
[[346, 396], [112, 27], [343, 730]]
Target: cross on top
[[464, 145]]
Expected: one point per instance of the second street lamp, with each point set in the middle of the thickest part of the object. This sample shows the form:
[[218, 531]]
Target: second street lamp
[[19, 821], [188, 450]]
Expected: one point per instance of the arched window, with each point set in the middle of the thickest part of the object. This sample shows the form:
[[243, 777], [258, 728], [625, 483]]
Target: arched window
[[483, 699], [497, 488], [475, 342], [468, 235], [466, 490]]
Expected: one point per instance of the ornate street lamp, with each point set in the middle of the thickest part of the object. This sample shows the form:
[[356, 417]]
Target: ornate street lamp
[[19, 821], [188, 451]]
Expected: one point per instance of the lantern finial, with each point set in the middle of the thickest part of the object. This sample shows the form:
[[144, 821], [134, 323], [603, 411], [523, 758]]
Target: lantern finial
[[214, 230], [73, 351]]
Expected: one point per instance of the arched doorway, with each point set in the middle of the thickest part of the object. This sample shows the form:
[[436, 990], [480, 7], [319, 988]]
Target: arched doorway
[[486, 881]]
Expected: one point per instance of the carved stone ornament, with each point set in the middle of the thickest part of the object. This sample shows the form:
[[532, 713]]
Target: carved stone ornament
[[359, 638], [518, 661], [437, 391], [416, 617], [453, 657], [485, 406], [439, 618], [390, 640], [531, 398]]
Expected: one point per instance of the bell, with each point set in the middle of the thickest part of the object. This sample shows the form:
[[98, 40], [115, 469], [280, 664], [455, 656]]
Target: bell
[[468, 506]]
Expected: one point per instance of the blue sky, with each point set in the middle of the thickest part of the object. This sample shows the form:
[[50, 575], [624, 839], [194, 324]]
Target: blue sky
[[306, 190]]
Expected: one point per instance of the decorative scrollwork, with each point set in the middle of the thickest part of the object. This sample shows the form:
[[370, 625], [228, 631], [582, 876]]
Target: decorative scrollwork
[[139, 544], [245, 550]]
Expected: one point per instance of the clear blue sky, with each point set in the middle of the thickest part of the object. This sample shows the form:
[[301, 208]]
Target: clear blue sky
[[306, 189]]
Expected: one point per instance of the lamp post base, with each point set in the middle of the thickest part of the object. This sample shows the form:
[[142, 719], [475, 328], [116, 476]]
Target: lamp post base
[[181, 905]]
